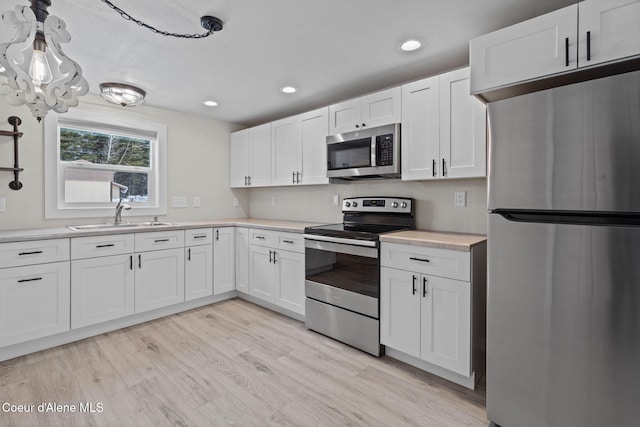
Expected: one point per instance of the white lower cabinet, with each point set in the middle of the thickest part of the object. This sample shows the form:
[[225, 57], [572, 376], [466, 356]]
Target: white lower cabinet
[[159, 279], [198, 264], [223, 260], [276, 268], [34, 302], [102, 289], [427, 305], [242, 259]]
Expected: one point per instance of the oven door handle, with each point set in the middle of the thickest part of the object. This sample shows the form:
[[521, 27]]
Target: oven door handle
[[340, 240]]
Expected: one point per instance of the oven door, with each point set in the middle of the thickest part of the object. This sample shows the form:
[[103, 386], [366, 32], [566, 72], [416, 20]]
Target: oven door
[[343, 275]]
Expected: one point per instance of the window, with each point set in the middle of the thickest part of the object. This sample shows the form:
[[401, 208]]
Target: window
[[93, 160]]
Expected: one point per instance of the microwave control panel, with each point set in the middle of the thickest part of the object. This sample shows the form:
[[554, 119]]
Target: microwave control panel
[[384, 150]]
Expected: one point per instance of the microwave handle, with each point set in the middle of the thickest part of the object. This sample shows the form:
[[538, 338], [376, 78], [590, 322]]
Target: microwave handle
[[373, 151]]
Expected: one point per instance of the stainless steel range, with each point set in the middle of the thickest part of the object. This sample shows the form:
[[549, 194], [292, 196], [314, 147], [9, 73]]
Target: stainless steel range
[[342, 261]]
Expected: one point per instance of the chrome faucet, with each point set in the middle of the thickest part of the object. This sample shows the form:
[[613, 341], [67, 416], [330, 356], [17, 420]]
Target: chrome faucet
[[122, 189]]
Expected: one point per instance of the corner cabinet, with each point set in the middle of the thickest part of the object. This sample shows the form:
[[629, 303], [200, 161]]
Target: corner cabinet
[[376, 109], [249, 157], [443, 129], [432, 308], [589, 33]]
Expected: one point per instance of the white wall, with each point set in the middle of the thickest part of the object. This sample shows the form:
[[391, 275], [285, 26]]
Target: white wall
[[434, 202], [198, 165]]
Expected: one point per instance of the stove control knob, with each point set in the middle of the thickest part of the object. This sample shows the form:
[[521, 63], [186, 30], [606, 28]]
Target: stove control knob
[[403, 204], [394, 204], [347, 204], [355, 204]]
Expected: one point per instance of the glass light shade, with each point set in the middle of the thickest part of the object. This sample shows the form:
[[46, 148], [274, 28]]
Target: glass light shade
[[37, 72], [122, 94]]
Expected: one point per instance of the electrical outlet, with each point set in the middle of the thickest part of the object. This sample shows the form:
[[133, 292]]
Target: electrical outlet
[[179, 202], [236, 202], [460, 199], [273, 200], [336, 200], [2, 204], [196, 201]]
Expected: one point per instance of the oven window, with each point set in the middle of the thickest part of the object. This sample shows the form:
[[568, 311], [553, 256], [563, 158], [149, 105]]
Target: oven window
[[349, 154], [350, 272]]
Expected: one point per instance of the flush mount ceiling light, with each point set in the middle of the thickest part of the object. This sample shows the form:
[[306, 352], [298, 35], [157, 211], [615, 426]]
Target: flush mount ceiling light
[[38, 73], [411, 45], [122, 94], [289, 89]]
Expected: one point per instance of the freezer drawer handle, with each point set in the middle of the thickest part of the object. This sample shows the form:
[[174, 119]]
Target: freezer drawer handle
[[29, 280], [30, 253], [419, 259]]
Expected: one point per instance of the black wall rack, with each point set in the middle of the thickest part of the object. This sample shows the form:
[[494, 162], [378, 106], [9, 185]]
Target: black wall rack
[[16, 134]]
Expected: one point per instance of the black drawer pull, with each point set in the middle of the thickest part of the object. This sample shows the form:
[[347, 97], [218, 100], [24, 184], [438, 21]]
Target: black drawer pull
[[107, 245], [200, 236], [419, 259], [30, 253], [161, 240], [288, 241], [260, 237], [29, 280]]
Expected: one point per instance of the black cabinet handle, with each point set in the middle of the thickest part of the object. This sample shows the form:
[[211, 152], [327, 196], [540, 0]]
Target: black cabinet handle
[[249, 179], [293, 177], [200, 236], [358, 126], [434, 168], [217, 234], [270, 254], [30, 253], [444, 168], [288, 241], [414, 284], [298, 177], [566, 52], [364, 124], [189, 254], [274, 257], [419, 259], [107, 245], [29, 280], [588, 45], [424, 287], [139, 261], [161, 240], [130, 262], [260, 237]]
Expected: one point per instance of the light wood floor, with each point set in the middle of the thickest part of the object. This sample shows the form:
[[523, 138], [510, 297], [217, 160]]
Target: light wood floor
[[232, 363]]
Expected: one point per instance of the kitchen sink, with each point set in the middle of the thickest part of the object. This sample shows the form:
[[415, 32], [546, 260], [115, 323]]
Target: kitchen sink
[[112, 225]]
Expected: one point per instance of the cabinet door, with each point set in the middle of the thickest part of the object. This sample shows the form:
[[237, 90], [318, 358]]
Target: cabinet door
[[242, 259], [463, 128], [223, 260], [525, 51], [102, 289], [344, 116], [34, 302], [260, 155], [446, 323], [239, 159], [400, 310], [286, 153], [420, 129], [198, 272], [382, 108], [159, 279], [261, 273], [290, 280], [314, 128], [612, 29]]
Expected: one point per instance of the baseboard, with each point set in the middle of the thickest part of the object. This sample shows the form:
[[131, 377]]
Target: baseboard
[[271, 306]]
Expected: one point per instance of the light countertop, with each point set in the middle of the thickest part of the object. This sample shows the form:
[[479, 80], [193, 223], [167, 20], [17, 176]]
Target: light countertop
[[433, 239]]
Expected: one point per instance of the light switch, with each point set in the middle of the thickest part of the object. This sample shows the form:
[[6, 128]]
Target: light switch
[[196, 201], [179, 202]]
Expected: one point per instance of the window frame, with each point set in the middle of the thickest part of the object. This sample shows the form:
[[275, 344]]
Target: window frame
[[55, 205]]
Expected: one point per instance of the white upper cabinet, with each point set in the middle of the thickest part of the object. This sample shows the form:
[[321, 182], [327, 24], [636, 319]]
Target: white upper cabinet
[[443, 129], [250, 157], [588, 33], [538, 47], [239, 159], [286, 153], [608, 30], [377, 109], [314, 128]]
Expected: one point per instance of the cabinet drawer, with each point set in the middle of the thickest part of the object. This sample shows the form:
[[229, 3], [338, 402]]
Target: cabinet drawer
[[35, 252], [158, 240], [262, 237], [198, 236], [293, 242], [97, 246], [433, 261]]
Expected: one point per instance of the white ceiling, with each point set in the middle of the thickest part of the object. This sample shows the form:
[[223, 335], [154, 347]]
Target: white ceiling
[[329, 49]]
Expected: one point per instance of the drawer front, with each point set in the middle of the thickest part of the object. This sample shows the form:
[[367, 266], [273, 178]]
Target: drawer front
[[293, 242], [158, 240], [433, 261], [198, 236], [35, 252], [262, 237], [97, 246]]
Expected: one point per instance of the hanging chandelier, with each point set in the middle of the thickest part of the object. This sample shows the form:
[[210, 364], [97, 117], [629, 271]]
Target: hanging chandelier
[[38, 74]]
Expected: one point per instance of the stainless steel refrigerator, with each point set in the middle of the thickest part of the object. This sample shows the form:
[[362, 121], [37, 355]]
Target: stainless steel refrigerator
[[563, 319]]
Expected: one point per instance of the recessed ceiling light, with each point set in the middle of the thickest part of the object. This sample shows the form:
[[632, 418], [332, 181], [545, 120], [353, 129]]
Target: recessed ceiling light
[[289, 89], [210, 103], [411, 45]]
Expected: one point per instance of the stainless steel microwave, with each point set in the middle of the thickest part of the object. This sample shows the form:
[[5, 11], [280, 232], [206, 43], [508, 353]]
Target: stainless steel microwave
[[366, 153]]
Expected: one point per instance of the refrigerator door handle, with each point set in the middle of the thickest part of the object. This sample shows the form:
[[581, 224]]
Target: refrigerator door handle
[[621, 219]]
